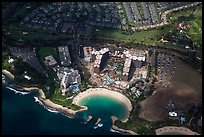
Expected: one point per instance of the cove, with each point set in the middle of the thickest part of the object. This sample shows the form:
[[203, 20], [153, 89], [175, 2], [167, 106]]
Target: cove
[[104, 107]]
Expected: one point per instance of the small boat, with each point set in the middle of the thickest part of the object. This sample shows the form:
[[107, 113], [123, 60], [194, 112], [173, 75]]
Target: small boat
[[99, 125]]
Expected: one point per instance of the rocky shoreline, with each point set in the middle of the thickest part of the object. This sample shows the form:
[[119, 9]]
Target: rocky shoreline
[[124, 131], [64, 110]]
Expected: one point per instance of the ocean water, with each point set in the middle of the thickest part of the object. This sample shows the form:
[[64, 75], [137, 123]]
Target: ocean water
[[21, 114]]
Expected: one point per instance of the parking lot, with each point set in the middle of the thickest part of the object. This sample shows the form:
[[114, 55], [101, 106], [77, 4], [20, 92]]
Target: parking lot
[[29, 56], [166, 69]]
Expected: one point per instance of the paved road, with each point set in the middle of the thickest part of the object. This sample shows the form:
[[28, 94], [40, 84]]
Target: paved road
[[164, 17]]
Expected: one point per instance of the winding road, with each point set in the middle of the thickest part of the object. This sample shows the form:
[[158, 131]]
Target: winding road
[[164, 17]]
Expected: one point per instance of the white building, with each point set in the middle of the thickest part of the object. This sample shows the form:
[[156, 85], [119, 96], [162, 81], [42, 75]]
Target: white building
[[27, 77], [51, 61]]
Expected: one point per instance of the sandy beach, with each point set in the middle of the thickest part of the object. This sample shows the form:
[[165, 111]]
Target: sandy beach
[[90, 92], [8, 74], [104, 92]]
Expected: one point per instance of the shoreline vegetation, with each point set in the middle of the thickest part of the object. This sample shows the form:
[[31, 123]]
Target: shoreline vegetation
[[43, 99], [64, 110], [125, 131]]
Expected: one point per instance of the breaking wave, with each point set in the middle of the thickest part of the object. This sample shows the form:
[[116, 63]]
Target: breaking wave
[[50, 110], [112, 130], [18, 92]]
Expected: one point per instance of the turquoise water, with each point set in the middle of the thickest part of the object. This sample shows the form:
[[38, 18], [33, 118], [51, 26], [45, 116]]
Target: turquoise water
[[21, 115], [104, 107]]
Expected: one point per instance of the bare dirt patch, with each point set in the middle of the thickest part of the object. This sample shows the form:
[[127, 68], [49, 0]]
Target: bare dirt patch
[[185, 90]]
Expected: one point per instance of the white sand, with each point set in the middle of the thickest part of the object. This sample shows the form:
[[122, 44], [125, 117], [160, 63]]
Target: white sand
[[89, 92], [8, 74], [104, 92]]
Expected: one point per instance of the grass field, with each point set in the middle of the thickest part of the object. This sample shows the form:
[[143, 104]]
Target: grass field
[[193, 17], [33, 34], [46, 51], [61, 100], [150, 37], [153, 36]]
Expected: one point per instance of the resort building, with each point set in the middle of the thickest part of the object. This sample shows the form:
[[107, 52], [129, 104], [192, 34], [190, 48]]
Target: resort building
[[126, 69], [64, 56], [100, 59], [132, 63], [141, 73], [70, 78], [11, 60], [27, 77], [87, 53], [133, 60], [49, 60]]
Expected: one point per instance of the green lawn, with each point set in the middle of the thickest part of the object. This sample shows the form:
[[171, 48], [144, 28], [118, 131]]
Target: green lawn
[[17, 33], [150, 37], [8, 66], [60, 99], [137, 125], [193, 17], [46, 51]]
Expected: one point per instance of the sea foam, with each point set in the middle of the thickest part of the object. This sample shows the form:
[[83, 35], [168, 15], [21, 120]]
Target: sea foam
[[18, 92], [37, 100], [112, 130]]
